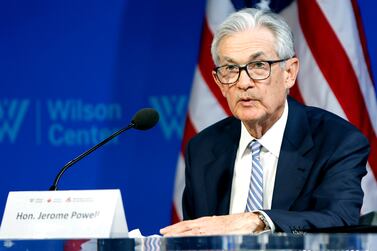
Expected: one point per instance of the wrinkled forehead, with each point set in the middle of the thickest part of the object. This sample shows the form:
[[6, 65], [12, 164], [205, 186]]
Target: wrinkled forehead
[[248, 45]]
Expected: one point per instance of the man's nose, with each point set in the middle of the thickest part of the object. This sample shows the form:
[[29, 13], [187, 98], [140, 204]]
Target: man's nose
[[244, 80]]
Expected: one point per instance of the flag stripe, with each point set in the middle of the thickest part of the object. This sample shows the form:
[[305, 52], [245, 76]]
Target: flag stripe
[[295, 92], [362, 36], [217, 11], [369, 187], [206, 66], [174, 214], [179, 187], [189, 132], [337, 74]]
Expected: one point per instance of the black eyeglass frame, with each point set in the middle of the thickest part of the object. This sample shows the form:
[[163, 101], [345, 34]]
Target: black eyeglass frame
[[244, 67]]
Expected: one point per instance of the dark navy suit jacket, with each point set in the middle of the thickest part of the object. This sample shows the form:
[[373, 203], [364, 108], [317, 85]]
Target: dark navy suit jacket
[[318, 176]]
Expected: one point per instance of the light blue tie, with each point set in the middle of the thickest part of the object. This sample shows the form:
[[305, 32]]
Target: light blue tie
[[255, 196]]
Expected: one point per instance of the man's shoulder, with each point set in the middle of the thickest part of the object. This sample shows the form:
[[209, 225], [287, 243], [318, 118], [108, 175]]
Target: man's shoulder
[[225, 127], [325, 122]]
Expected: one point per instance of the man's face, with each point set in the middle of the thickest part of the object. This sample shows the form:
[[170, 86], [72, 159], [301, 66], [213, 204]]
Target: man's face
[[256, 101]]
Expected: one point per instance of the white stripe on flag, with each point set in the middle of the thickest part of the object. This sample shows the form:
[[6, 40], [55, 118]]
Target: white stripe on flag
[[369, 186], [204, 109], [217, 11], [179, 185]]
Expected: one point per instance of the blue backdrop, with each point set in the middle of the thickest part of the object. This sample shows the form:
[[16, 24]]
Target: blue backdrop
[[72, 72]]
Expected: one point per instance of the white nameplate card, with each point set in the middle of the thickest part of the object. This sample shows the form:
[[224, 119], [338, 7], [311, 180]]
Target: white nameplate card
[[74, 214]]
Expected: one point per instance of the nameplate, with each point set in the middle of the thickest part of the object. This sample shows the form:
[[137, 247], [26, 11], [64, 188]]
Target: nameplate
[[76, 214]]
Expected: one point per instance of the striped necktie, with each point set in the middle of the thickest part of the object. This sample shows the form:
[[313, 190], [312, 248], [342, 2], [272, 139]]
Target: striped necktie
[[255, 196]]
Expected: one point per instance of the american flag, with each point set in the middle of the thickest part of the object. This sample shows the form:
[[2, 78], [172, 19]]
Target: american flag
[[335, 74]]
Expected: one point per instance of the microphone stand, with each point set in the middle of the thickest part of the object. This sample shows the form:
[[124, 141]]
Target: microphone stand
[[54, 186]]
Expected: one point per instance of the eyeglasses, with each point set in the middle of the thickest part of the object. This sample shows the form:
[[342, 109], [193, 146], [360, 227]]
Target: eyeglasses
[[257, 70]]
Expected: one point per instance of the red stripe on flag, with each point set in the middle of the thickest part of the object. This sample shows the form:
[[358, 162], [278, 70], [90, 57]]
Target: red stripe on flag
[[174, 216], [189, 132], [337, 70], [206, 66], [362, 36], [295, 92]]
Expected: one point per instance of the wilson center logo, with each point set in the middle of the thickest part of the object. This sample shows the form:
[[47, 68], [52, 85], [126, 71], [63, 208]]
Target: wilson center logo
[[75, 122], [172, 110]]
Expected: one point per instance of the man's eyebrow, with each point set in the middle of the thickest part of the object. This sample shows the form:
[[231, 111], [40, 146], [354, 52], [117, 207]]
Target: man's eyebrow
[[256, 55], [230, 60]]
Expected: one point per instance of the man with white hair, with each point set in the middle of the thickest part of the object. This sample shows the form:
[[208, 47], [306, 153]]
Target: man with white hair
[[275, 164]]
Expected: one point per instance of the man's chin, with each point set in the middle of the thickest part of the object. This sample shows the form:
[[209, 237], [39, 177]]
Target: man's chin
[[249, 116]]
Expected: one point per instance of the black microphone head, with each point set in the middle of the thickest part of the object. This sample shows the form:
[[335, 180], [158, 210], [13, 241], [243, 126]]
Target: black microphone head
[[145, 119]]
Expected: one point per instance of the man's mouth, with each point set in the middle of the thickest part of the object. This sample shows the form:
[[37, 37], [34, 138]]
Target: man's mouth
[[247, 101]]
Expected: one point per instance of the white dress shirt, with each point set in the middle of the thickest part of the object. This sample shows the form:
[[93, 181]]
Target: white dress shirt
[[271, 143]]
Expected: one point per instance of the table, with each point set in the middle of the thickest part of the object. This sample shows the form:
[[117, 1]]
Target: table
[[317, 242]]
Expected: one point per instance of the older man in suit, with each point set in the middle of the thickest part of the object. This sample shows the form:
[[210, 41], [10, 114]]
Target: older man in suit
[[276, 164]]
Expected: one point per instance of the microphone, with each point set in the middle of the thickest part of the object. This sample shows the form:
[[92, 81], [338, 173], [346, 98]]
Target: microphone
[[144, 119]]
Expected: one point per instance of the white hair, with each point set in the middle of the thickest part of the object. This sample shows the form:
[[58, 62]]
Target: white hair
[[251, 18]]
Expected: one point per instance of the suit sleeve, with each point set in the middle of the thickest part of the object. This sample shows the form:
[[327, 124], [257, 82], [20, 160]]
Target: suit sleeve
[[337, 197]]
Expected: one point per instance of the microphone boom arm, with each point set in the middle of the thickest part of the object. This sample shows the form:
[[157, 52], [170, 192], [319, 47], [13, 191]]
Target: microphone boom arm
[[54, 186], [144, 119]]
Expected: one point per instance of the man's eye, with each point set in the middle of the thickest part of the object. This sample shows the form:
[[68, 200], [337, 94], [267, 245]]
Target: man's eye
[[258, 64], [231, 68]]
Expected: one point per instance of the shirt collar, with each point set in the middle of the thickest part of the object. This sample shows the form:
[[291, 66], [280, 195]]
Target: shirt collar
[[272, 139]]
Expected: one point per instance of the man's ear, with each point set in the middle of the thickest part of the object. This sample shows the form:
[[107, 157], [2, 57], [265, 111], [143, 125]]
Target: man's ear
[[291, 71], [221, 86]]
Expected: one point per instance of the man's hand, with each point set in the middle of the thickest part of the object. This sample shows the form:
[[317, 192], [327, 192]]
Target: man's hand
[[243, 223]]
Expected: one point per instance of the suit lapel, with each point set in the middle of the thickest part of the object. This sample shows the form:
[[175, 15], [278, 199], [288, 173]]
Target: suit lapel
[[219, 172], [293, 167]]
